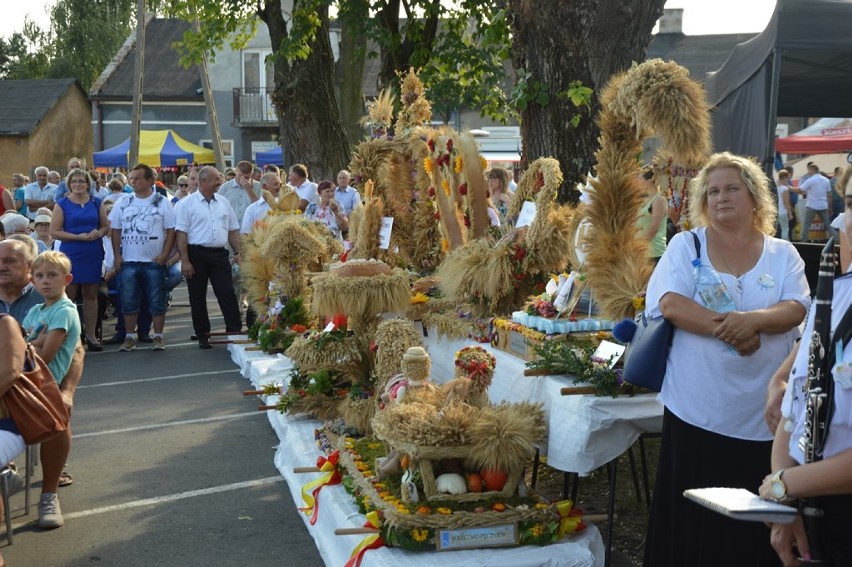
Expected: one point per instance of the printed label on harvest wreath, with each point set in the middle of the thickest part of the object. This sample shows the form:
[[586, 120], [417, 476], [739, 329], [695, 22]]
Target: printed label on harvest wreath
[[469, 538], [385, 232], [517, 343]]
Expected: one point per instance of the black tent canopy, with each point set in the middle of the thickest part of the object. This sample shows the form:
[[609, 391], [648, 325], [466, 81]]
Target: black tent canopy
[[800, 65]]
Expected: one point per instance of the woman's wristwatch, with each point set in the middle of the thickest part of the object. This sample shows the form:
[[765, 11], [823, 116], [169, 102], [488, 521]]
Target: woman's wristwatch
[[777, 486]]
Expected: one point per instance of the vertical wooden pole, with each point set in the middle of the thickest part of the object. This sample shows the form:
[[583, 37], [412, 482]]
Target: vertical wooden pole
[[212, 117], [136, 113]]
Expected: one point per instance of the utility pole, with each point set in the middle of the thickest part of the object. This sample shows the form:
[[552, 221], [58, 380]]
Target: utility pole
[[136, 113], [212, 117]]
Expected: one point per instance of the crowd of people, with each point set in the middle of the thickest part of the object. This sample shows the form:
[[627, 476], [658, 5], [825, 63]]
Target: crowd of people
[[68, 245]]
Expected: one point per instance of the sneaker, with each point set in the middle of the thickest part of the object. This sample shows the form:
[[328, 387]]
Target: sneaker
[[128, 344], [49, 514], [159, 344]]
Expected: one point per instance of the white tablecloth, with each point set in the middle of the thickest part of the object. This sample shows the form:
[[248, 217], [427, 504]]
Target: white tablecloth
[[584, 432], [337, 509]]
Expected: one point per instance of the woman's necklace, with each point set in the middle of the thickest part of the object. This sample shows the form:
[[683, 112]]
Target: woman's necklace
[[738, 277]]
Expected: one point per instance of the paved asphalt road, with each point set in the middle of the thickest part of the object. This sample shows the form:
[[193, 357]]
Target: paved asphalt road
[[172, 466]]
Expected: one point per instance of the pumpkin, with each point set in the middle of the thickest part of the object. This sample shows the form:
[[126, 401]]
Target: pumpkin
[[494, 479], [499, 507], [423, 510], [475, 482], [451, 483]]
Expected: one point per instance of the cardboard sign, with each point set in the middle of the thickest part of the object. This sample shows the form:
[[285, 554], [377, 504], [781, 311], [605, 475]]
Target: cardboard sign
[[527, 214], [609, 351], [385, 232], [471, 538]]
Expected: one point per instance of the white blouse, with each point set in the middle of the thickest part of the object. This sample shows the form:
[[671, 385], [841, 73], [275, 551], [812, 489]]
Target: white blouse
[[706, 384]]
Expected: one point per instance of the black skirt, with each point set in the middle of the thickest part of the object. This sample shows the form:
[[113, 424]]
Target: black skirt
[[683, 533]]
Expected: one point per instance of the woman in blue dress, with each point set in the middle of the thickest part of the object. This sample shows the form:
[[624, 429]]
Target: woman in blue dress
[[79, 222]]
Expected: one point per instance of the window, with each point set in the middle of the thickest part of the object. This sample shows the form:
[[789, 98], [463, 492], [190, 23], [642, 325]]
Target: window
[[227, 150], [257, 73]]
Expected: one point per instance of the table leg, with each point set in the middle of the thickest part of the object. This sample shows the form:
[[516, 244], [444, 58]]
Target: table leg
[[534, 478], [612, 468], [635, 474]]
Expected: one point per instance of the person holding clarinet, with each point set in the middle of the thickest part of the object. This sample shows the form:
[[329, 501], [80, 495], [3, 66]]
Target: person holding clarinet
[[812, 450]]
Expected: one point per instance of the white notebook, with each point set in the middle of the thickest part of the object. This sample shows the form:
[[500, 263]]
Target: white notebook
[[741, 504]]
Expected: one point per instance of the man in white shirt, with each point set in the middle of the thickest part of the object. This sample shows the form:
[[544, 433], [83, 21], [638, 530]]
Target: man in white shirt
[[817, 190], [257, 210], [242, 190], [345, 195], [205, 223], [307, 190], [39, 193], [143, 233]]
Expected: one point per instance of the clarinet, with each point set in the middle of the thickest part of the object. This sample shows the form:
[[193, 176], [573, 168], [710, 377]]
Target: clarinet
[[819, 385]]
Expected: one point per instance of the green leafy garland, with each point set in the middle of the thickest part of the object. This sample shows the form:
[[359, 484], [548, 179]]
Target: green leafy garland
[[277, 331], [577, 361]]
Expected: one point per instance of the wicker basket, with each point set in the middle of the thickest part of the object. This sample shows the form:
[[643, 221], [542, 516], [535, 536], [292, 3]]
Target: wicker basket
[[426, 456]]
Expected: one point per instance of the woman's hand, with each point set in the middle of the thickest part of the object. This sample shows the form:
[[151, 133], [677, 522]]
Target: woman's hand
[[784, 537], [738, 330], [333, 206]]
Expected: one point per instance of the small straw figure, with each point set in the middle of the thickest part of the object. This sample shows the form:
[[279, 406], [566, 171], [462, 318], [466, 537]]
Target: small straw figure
[[415, 367], [476, 366]]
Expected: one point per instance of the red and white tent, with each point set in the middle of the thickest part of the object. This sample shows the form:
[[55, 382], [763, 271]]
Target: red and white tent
[[825, 136]]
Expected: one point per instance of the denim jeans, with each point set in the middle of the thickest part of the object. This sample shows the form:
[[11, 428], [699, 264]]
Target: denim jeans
[[143, 277], [173, 277], [143, 322]]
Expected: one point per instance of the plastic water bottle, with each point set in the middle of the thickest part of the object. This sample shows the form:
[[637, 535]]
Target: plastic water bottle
[[712, 291]]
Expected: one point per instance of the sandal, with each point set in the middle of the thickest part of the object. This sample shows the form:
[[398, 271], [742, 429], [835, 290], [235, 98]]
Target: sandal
[[65, 479]]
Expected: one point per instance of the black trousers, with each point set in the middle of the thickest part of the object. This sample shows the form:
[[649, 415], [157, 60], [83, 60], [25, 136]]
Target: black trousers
[[212, 264]]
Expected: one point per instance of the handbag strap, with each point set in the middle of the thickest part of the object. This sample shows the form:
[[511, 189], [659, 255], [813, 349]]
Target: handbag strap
[[697, 244]]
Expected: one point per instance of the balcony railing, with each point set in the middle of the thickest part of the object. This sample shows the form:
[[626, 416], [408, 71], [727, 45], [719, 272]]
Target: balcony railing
[[253, 107]]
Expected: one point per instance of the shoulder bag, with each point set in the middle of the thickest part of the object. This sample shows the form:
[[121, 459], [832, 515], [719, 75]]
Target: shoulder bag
[[647, 352], [35, 403]]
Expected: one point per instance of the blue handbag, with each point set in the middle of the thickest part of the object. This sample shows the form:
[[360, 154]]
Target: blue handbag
[[647, 352]]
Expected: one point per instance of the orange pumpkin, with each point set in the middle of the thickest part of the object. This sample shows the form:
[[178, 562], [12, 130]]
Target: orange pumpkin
[[494, 479], [475, 482], [499, 507], [424, 510]]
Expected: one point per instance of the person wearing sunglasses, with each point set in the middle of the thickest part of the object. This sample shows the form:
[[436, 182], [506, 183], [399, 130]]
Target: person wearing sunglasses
[[182, 189]]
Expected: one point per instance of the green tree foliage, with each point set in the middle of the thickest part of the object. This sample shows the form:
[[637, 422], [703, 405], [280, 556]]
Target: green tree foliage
[[82, 38], [25, 54], [460, 49], [85, 34]]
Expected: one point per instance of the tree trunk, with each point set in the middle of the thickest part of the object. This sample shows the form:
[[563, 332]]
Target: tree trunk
[[308, 117], [353, 52], [396, 49], [594, 40]]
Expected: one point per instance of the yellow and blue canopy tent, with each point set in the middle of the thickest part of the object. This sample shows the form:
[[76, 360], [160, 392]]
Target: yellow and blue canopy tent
[[157, 148]]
